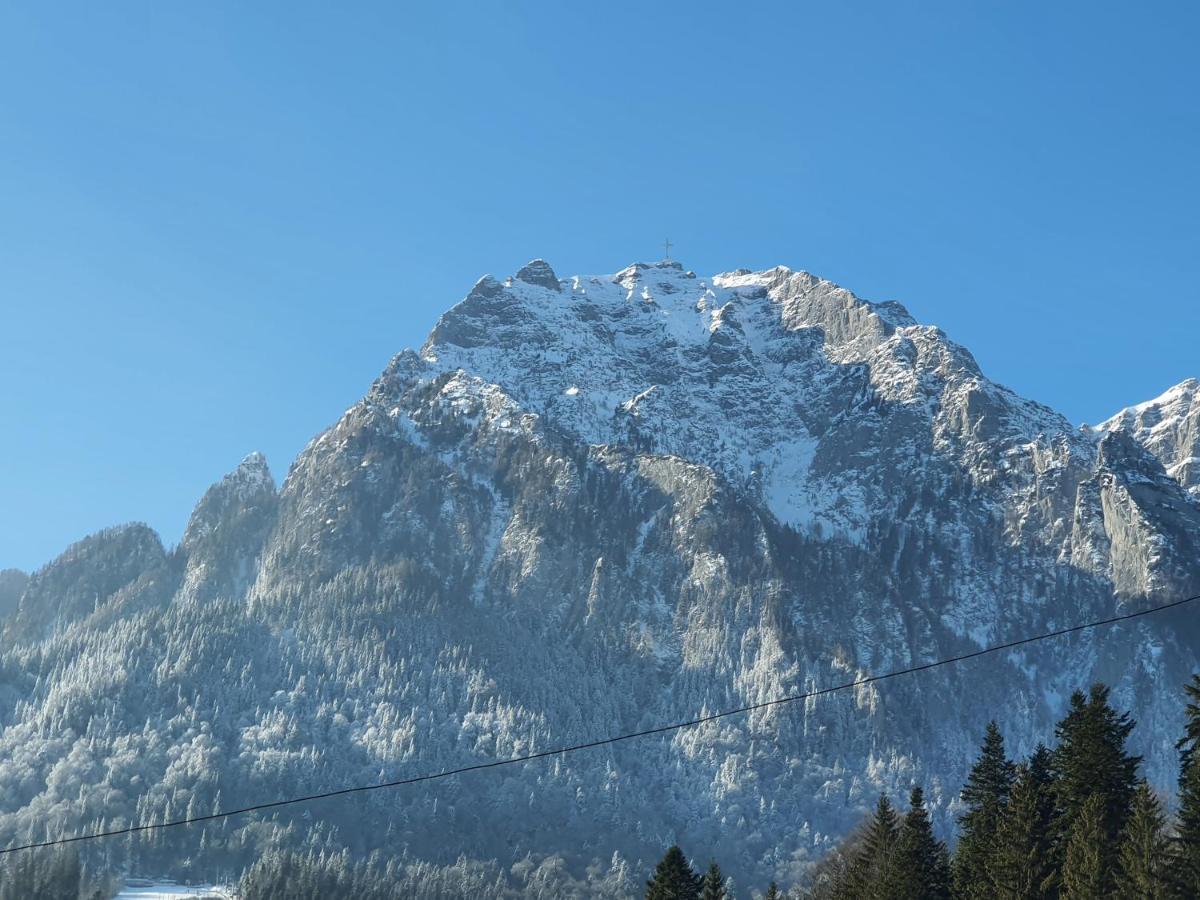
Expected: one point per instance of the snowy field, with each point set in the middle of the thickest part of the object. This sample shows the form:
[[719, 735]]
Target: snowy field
[[167, 890]]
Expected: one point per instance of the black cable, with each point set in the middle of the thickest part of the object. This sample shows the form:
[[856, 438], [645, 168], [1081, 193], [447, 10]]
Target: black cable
[[133, 829]]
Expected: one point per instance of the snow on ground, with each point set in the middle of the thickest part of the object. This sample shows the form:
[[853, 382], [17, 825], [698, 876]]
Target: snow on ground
[[168, 890]]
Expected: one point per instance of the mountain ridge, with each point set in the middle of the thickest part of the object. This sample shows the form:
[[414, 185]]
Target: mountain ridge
[[596, 504]]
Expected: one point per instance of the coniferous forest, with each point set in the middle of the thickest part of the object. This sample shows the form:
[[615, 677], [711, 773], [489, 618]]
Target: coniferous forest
[[1072, 821]]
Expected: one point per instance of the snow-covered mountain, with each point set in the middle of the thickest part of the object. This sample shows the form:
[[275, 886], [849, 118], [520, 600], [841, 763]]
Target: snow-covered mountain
[[592, 505], [1169, 427]]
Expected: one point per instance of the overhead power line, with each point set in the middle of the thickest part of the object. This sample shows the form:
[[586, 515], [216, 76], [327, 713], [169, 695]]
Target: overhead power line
[[602, 742]]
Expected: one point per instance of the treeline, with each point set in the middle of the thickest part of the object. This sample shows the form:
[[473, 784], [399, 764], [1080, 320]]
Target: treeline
[[291, 875], [1075, 822], [51, 875], [1070, 823]]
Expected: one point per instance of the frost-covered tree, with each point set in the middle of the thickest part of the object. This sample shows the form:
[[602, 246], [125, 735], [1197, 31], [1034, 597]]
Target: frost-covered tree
[[48, 874]]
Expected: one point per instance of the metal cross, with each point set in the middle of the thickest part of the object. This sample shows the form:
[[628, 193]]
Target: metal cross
[[667, 245]]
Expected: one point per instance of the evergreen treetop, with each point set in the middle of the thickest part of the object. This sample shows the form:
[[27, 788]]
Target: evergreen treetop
[[985, 796], [1143, 867], [1091, 760], [1020, 866], [673, 878], [869, 876], [921, 864], [712, 887]]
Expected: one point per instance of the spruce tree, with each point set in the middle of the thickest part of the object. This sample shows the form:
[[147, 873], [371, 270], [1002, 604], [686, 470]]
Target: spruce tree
[[985, 796], [870, 873], [1144, 861], [921, 865], [1090, 760], [1086, 870], [673, 878], [1187, 835], [1020, 866], [772, 892], [830, 878], [713, 885]]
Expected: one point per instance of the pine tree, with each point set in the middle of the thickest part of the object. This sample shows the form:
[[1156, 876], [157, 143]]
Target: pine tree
[[772, 892], [1144, 861], [713, 885], [1187, 836], [830, 878], [985, 796], [1020, 866], [870, 873], [921, 865], [1086, 871], [1091, 760], [673, 878]]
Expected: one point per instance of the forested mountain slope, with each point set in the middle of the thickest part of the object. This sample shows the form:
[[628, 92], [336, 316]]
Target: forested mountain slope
[[589, 506]]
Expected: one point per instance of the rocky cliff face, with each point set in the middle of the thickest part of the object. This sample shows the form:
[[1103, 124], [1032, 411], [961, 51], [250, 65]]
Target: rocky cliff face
[[1169, 427], [592, 505], [225, 534]]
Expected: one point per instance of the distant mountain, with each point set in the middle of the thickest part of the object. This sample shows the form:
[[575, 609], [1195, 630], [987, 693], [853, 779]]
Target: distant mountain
[[593, 505]]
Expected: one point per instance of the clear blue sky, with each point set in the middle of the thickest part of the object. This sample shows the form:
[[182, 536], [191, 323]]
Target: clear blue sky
[[219, 220]]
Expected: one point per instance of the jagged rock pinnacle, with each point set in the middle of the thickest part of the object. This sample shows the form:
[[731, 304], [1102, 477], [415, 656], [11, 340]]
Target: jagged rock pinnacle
[[538, 272]]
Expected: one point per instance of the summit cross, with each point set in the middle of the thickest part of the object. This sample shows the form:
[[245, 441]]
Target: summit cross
[[667, 245]]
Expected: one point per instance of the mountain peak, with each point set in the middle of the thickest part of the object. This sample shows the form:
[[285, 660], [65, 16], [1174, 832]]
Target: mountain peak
[[745, 367], [538, 271], [122, 561], [253, 471], [251, 476], [666, 272], [1169, 427], [248, 486], [1182, 395], [226, 531]]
